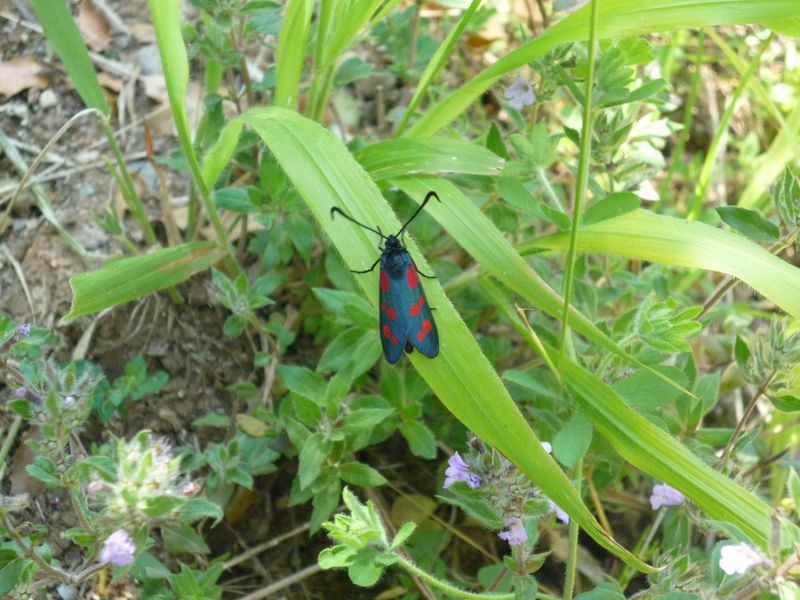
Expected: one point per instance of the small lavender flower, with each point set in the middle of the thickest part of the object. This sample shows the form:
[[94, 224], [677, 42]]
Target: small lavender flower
[[458, 470], [520, 93], [23, 331], [515, 535], [665, 495], [118, 549], [739, 558], [560, 514]]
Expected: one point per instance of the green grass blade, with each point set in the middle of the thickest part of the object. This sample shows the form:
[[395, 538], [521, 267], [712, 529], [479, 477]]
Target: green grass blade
[[436, 64], [128, 279], [721, 134], [646, 236], [392, 158], [326, 175], [291, 51], [649, 448], [652, 450], [62, 33], [619, 18]]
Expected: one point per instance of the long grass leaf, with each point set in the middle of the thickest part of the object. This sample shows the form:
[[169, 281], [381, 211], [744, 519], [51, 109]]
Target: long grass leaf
[[326, 175], [128, 279], [62, 33], [646, 236]]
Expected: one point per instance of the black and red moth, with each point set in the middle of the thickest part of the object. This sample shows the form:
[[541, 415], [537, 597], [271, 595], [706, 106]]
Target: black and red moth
[[405, 317]]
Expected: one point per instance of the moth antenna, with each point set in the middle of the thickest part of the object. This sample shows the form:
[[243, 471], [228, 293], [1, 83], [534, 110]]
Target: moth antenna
[[429, 195], [336, 209]]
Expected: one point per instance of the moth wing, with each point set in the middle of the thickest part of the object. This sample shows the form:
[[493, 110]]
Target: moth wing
[[393, 316], [421, 328]]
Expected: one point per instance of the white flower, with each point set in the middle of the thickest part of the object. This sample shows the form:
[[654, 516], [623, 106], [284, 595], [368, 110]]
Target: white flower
[[739, 558]]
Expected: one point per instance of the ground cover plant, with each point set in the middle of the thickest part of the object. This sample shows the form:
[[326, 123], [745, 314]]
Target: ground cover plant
[[244, 391]]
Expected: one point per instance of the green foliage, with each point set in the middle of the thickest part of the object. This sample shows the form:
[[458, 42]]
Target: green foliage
[[135, 384]]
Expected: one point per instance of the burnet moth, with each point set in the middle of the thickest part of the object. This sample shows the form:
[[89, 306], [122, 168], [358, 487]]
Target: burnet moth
[[405, 317]]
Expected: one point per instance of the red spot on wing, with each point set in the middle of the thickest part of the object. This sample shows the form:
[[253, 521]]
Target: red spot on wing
[[387, 333], [427, 327], [415, 308], [390, 312], [411, 275], [384, 281]]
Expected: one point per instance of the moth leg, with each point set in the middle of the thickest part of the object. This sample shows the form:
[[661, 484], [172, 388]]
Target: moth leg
[[426, 276], [367, 270]]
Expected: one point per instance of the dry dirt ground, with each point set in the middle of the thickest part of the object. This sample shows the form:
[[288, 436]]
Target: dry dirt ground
[[186, 341]]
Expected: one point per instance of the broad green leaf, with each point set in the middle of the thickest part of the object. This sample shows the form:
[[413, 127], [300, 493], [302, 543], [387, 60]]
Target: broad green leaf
[[356, 473], [571, 443], [645, 390], [391, 158], [749, 223], [127, 279], [62, 33], [618, 18], [326, 175], [647, 236], [611, 206], [181, 538]]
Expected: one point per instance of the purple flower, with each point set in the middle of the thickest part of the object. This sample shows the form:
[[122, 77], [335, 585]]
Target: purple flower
[[23, 331], [739, 558], [458, 470], [520, 93], [515, 535], [665, 495], [560, 514], [118, 549]]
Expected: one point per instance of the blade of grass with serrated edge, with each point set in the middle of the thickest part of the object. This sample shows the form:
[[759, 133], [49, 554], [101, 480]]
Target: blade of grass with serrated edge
[[402, 156], [127, 279], [618, 18], [649, 448], [326, 175], [647, 236]]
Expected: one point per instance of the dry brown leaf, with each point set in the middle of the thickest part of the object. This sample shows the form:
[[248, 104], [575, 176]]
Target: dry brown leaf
[[93, 26], [144, 33], [20, 74], [109, 82]]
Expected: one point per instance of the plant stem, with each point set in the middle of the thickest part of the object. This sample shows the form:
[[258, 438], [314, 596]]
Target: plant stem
[[447, 587], [747, 412], [582, 180], [127, 188], [572, 549]]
